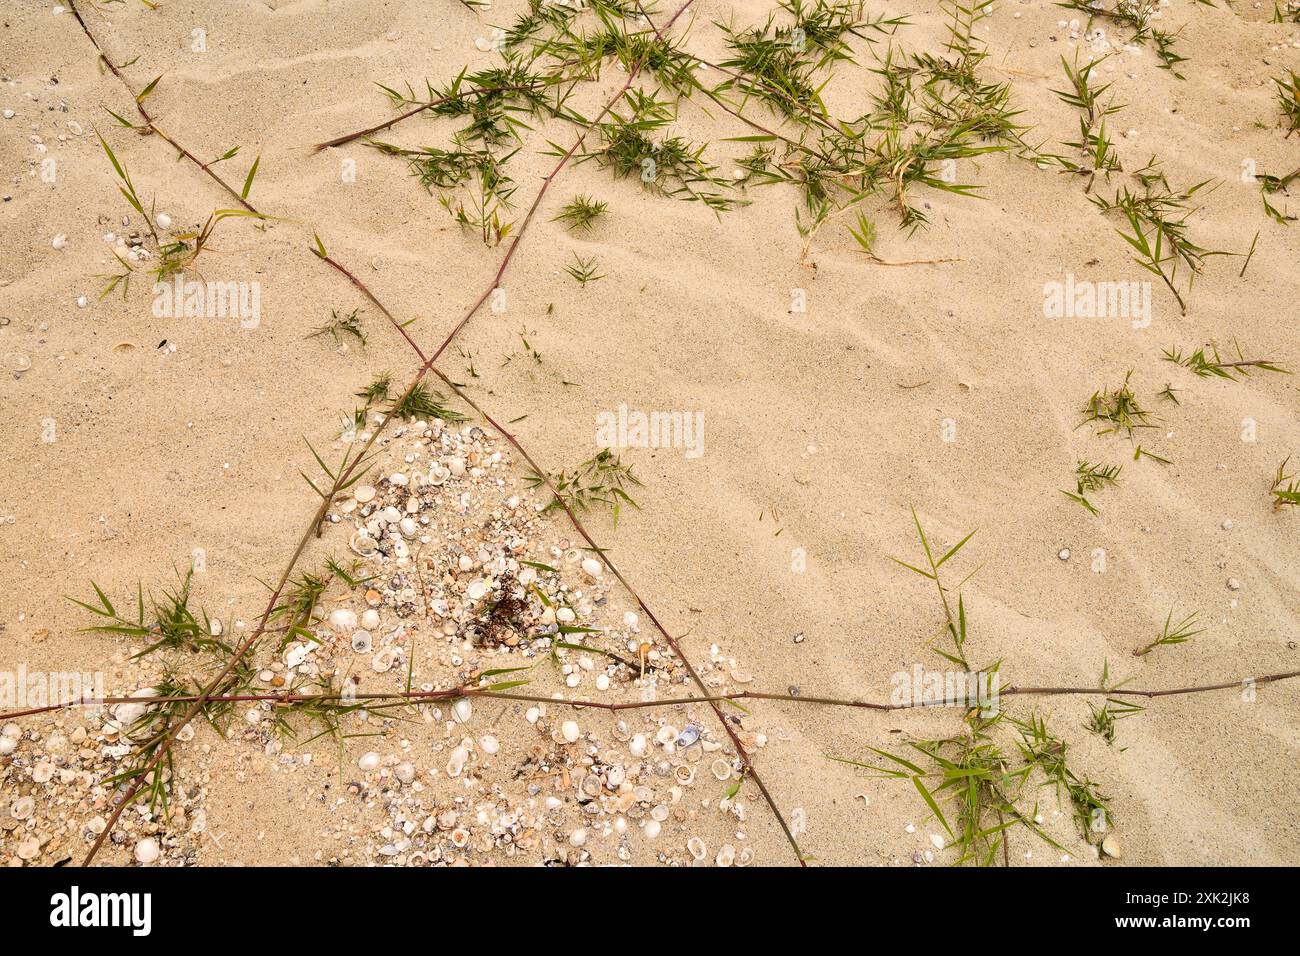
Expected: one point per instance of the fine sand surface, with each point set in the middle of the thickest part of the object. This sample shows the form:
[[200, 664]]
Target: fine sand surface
[[823, 428]]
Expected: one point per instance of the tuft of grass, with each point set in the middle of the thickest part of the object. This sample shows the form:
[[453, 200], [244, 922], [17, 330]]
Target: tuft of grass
[[1288, 99], [1117, 409], [378, 390], [1102, 717], [1211, 364], [341, 327], [601, 481], [1172, 633], [1285, 488], [584, 270], [578, 214], [423, 402], [1089, 477]]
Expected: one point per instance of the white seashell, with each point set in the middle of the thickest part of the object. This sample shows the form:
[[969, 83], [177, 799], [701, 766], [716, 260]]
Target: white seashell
[[22, 808], [370, 619], [147, 851], [398, 479], [343, 621], [369, 761], [476, 590], [363, 544], [1111, 846], [570, 731], [721, 769], [457, 467], [459, 838], [685, 775], [726, 855], [456, 762], [592, 568], [621, 732], [128, 714], [696, 847], [565, 615], [461, 710], [405, 771], [602, 682], [297, 654], [384, 660], [163, 220], [59, 241], [532, 715], [361, 642], [489, 744], [631, 622], [29, 848], [667, 734], [578, 837], [364, 493], [936, 841], [637, 746], [652, 829], [437, 475]]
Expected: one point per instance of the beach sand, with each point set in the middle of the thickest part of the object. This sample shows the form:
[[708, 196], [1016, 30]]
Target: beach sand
[[838, 394]]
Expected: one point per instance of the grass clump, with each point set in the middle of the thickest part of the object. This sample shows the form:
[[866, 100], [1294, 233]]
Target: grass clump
[[341, 327], [602, 481], [1285, 488], [1117, 409], [1172, 633], [1211, 364], [578, 214], [1089, 477]]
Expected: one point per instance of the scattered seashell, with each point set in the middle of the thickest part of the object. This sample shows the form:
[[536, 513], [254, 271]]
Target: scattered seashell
[[652, 829], [364, 493], [343, 621], [370, 619], [362, 642], [363, 544], [1111, 846], [726, 855], [456, 762], [637, 746], [592, 568], [369, 761], [570, 731], [476, 590], [721, 769], [489, 744], [147, 851], [461, 710], [696, 848], [384, 660], [688, 736]]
